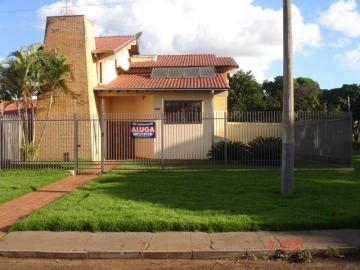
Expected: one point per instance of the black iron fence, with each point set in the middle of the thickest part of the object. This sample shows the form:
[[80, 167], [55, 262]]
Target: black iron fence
[[91, 144]]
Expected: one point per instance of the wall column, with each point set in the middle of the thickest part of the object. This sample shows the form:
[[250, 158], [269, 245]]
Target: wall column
[[212, 117]]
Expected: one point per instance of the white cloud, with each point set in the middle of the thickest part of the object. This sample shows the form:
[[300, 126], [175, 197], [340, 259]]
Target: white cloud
[[342, 16], [350, 59], [339, 43], [238, 28]]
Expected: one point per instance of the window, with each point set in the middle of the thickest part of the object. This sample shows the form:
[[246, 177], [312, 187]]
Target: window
[[183, 112], [100, 72]]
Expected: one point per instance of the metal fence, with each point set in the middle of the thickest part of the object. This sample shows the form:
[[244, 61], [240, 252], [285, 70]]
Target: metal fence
[[173, 141]]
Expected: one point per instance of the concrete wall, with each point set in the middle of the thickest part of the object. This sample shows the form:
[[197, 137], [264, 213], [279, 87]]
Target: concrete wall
[[246, 132]]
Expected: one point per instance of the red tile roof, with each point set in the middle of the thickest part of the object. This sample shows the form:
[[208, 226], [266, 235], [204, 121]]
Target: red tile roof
[[111, 43], [145, 82], [187, 60], [11, 107]]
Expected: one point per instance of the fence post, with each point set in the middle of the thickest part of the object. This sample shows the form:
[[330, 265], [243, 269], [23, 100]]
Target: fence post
[[76, 144], [225, 139], [162, 140], [102, 138], [1, 141], [351, 138]]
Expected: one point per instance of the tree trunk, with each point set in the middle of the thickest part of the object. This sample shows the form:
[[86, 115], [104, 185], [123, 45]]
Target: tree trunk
[[46, 121], [32, 123]]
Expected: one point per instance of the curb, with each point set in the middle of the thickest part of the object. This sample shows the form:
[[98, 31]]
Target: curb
[[209, 254]]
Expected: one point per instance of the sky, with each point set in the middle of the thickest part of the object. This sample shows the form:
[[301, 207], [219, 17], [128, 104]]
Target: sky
[[326, 32]]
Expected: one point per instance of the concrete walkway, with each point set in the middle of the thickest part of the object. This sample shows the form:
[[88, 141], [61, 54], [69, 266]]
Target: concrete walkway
[[174, 245], [24, 205]]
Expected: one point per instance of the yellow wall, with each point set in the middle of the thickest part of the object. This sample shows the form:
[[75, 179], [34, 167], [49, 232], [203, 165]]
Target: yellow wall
[[181, 141], [220, 102]]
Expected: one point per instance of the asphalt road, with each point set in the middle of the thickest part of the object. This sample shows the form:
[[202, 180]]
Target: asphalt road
[[31, 264]]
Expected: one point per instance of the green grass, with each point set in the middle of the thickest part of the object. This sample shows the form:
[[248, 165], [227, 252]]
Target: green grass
[[14, 183], [205, 201]]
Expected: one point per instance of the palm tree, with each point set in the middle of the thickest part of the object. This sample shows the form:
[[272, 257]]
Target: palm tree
[[19, 81], [55, 74]]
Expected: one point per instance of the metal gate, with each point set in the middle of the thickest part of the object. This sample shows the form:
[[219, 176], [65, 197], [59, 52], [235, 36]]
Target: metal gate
[[94, 144]]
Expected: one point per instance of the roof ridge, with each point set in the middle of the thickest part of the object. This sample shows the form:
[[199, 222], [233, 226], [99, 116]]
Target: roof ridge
[[187, 54], [115, 36]]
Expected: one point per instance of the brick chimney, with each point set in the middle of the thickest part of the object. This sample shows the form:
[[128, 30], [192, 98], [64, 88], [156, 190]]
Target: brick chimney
[[74, 37]]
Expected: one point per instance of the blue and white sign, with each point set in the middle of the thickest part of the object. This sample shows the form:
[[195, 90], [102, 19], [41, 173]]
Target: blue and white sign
[[142, 130]]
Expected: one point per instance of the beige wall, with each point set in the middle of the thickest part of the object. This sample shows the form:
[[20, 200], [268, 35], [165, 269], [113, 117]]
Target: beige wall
[[220, 102], [246, 132], [121, 58], [182, 141]]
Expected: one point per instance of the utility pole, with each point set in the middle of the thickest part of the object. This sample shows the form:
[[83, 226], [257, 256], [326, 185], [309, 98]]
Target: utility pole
[[287, 170]]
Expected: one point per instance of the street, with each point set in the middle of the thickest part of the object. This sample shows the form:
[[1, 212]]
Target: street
[[33, 264]]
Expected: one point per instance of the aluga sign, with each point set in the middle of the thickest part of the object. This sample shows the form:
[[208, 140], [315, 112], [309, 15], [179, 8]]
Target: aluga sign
[[144, 130]]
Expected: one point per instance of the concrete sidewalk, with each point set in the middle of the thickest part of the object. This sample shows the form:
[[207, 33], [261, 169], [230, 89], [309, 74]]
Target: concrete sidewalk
[[171, 245]]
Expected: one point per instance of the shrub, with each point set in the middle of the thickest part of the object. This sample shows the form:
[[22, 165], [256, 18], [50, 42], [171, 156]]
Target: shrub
[[281, 255], [268, 149], [260, 150], [356, 148], [332, 253], [302, 256], [235, 151], [29, 151]]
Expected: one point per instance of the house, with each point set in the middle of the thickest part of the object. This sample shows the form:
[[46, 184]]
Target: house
[[111, 77]]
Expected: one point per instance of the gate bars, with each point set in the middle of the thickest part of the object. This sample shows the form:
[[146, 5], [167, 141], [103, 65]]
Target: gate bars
[[87, 144]]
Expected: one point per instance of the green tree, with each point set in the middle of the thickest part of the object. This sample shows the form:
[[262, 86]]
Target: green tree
[[19, 82], [307, 94], [245, 93], [31, 72], [273, 93], [54, 77], [338, 99]]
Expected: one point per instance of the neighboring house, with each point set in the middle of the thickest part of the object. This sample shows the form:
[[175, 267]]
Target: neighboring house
[[12, 130], [110, 76]]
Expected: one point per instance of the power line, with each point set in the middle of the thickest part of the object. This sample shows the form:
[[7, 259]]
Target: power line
[[73, 6]]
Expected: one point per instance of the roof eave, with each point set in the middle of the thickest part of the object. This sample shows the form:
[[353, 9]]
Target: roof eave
[[136, 37], [159, 89]]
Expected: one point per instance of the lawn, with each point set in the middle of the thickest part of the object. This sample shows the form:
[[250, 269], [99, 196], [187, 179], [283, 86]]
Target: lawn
[[14, 183], [205, 201]]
